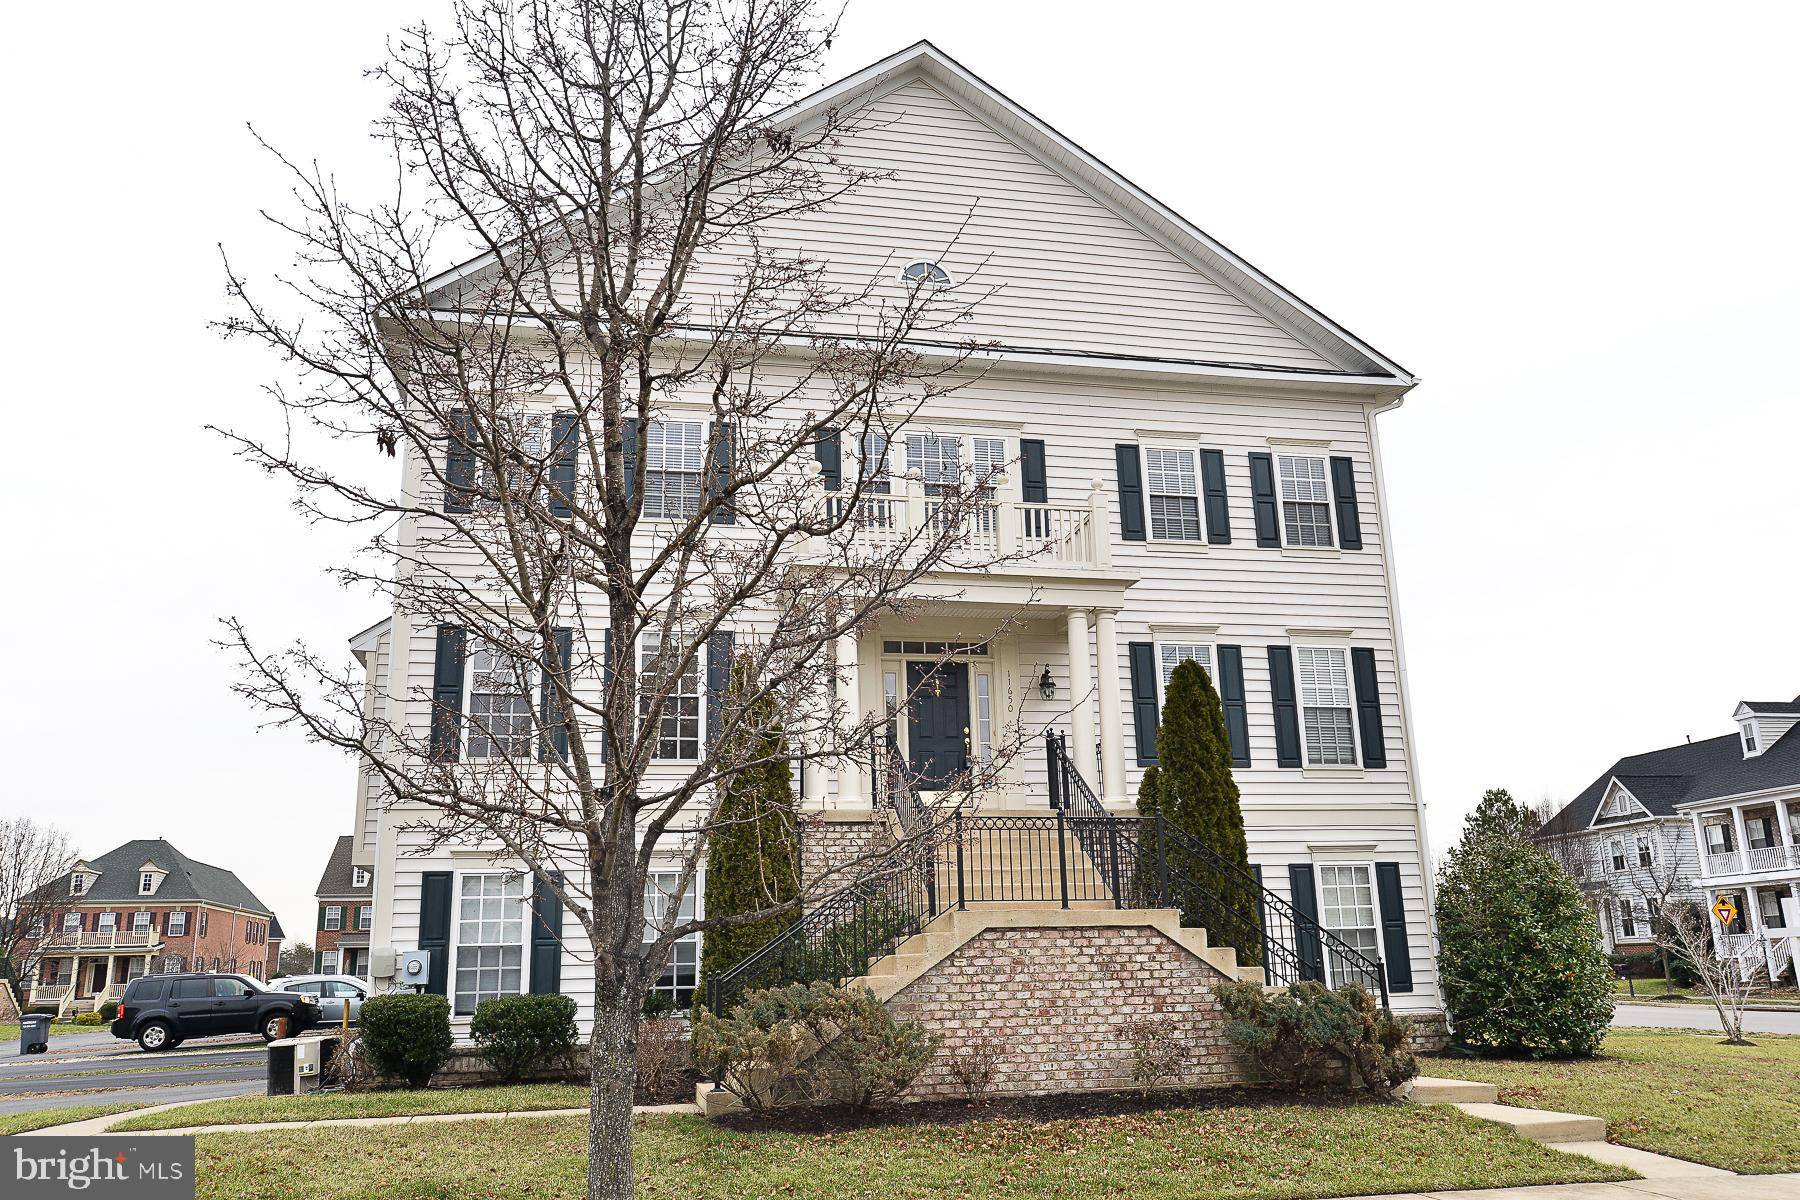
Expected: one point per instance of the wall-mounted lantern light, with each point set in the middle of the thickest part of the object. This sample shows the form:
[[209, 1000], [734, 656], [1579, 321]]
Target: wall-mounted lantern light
[[1046, 685]]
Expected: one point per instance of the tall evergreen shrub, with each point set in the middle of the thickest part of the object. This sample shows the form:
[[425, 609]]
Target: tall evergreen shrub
[[753, 848]]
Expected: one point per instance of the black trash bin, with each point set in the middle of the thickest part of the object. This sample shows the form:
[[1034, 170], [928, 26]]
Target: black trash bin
[[34, 1034]]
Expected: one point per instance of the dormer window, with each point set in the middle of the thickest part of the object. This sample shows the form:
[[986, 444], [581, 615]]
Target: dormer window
[[925, 272], [146, 883], [359, 877], [78, 884], [1749, 728]]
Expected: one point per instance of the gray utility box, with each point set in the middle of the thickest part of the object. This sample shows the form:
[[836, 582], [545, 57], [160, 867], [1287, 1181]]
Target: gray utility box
[[298, 1065], [34, 1033]]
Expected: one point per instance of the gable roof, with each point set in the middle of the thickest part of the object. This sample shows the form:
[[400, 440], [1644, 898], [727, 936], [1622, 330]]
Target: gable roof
[[1341, 353], [1774, 708], [187, 878], [336, 881], [1663, 779]]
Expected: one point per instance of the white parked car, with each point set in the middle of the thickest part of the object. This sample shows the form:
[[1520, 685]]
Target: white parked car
[[333, 991]]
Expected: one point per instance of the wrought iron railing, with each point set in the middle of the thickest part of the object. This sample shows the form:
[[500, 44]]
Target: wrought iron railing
[[1076, 853]]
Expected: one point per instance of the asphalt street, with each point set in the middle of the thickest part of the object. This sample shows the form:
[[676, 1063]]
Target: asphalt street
[[1699, 1016], [84, 1068]]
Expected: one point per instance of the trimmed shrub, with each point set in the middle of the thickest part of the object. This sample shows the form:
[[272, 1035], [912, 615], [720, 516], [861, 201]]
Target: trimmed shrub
[[406, 1035], [90, 1018], [1310, 1036], [1520, 954], [811, 1042], [753, 846], [520, 1036], [109, 1012]]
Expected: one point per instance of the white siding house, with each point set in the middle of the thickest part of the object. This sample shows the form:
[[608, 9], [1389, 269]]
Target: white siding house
[[1199, 467]]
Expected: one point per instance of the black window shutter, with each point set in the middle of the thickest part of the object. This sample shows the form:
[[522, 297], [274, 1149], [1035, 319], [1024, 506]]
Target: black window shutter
[[1306, 931], [546, 936], [434, 928], [1212, 487], [1343, 490], [1131, 492], [1397, 953], [1287, 712], [629, 453], [1144, 708], [446, 694], [1262, 500], [550, 710], [459, 465], [565, 441], [1231, 696], [1034, 480], [719, 478], [718, 678], [829, 450], [1368, 706]]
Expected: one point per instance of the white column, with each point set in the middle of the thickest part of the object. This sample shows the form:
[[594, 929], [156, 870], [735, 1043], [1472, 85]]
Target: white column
[[1081, 683], [1112, 734], [1785, 824], [1743, 836], [850, 772], [813, 772], [1752, 914], [1700, 843]]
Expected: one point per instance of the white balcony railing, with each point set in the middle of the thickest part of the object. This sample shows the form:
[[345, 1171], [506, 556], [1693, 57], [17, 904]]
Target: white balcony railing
[[992, 534], [1772, 858], [1723, 862], [104, 939]]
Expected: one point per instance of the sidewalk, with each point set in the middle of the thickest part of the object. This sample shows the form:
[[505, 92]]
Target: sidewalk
[[1727, 1187]]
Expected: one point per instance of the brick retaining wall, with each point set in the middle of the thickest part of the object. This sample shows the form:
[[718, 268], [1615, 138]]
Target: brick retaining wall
[[1062, 1000]]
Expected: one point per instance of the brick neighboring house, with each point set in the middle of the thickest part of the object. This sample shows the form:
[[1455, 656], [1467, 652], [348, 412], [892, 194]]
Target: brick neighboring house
[[346, 913], [147, 908]]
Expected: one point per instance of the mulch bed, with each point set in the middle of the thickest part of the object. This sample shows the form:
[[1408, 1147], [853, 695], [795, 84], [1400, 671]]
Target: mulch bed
[[837, 1118]]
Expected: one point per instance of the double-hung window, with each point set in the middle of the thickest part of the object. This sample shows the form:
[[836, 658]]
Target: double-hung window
[[1305, 500], [359, 877], [663, 909], [674, 457], [146, 883], [678, 731], [72, 922], [177, 924], [109, 921], [1170, 655], [334, 916], [1174, 492], [1718, 838], [1324, 673], [328, 962], [938, 460], [1347, 910], [499, 724], [1627, 918], [1615, 853], [872, 464], [1759, 832], [365, 917], [140, 922], [490, 939], [1645, 856]]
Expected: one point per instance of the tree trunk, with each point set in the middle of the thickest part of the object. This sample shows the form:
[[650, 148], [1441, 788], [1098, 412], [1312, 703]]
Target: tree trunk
[[612, 1085]]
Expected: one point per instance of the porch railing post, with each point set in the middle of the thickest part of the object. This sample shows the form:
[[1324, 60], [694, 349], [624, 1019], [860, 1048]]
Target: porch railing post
[[1381, 978], [1112, 848], [962, 894], [1062, 856], [1162, 861], [1053, 769]]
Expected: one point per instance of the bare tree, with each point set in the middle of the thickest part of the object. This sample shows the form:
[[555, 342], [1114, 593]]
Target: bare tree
[[615, 165], [32, 858], [1686, 929]]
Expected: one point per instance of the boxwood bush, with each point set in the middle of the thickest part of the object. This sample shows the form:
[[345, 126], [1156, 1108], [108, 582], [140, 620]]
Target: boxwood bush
[[406, 1035], [1313, 1036], [523, 1035]]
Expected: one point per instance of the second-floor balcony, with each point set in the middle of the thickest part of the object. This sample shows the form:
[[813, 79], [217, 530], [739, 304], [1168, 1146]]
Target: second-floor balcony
[[982, 534], [1748, 839], [103, 939]]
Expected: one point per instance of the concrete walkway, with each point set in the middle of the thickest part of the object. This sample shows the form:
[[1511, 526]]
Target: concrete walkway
[[1731, 1187]]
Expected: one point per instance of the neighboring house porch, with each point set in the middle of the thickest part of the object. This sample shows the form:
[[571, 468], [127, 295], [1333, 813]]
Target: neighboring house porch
[[79, 972], [1751, 856]]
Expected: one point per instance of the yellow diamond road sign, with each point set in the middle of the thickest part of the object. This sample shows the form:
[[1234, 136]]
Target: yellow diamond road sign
[[1725, 910]]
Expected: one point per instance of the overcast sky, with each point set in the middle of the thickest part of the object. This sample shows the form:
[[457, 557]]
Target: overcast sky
[[1574, 222]]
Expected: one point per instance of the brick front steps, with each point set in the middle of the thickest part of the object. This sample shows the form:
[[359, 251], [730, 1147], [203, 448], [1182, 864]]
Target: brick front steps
[[1058, 989]]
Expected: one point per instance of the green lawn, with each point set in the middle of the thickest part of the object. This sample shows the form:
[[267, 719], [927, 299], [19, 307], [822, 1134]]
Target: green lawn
[[1684, 1094], [20, 1122], [10, 1033], [322, 1105], [1650, 989], [1249, 1153]]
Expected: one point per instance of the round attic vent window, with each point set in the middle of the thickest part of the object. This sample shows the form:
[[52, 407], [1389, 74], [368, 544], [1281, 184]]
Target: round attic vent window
[[925, 272]]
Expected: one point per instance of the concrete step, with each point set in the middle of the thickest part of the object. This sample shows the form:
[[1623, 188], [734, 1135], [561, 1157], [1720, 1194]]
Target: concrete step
[[1540, 1125], [1427, 1090]]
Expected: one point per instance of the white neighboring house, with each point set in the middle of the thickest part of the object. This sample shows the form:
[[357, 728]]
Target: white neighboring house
[[1205, 441], [1699, 821]]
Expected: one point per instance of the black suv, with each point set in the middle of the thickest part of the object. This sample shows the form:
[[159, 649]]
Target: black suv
[[159, 1011]]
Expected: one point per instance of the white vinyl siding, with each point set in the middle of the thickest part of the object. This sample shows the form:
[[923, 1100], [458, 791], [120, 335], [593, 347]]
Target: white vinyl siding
[[489, 953], [1305, 500], [674, 457], [1173, 487], [1324, 675]]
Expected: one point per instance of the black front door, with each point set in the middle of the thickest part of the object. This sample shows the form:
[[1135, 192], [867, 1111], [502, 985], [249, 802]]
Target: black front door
[[937, 725]]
